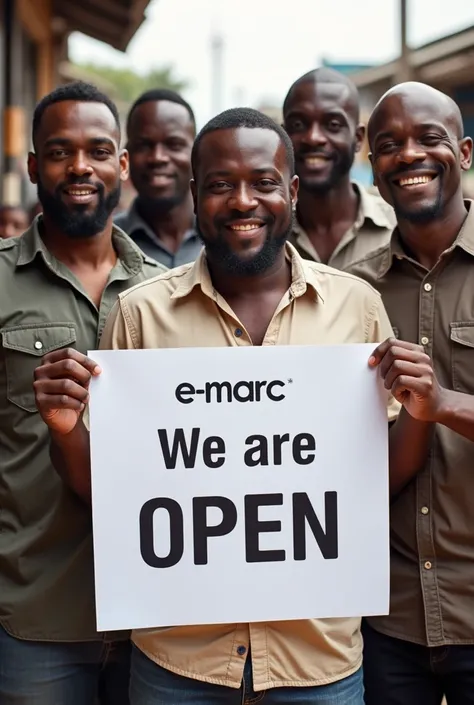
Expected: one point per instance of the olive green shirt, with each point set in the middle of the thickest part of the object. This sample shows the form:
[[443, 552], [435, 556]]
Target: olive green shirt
[[46, 560], [432, 519]]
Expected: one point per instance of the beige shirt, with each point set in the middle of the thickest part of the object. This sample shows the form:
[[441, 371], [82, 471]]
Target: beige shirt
[[372, 228], [182, 309]]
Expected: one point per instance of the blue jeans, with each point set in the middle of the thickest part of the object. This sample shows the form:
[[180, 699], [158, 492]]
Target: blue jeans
[[63, 673], [152, 685]]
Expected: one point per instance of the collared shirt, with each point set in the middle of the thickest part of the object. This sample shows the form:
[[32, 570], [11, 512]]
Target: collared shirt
[[432, 520], [46, 562], [133, 224], [372, 229], [182, 309]]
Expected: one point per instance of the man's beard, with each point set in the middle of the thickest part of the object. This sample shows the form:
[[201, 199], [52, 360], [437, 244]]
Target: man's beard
[[341, 166], [161, 205], [75, 221], [220, 252]]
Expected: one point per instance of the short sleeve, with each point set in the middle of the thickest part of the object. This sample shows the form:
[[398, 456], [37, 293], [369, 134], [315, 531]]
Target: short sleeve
[[379, 330]]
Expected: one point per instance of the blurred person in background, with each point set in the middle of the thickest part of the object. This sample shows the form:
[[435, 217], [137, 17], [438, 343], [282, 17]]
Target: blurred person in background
[[59, 282], [13, 221], [160, 133], [337, 220], [424, 648]]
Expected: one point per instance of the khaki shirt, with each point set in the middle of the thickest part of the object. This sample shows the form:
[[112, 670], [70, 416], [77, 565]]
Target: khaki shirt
[[432, 520], [46, 562], [182, 309], [372, 228]]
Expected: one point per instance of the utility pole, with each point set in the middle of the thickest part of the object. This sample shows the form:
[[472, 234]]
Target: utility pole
[[404, 71], [217, 80]]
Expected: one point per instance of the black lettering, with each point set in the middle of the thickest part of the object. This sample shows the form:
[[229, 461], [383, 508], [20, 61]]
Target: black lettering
[[326, 540], [219, 387], [179, 446], [270, 394], [254, 527], [303, 443], [261, 449], [258, 387], [277, 444], [184, 388], [208, 451], [246, 386], [147, 544], [201, 530]]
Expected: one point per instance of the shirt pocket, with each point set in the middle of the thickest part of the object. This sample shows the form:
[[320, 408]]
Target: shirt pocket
[[23, 347], [462, 356]]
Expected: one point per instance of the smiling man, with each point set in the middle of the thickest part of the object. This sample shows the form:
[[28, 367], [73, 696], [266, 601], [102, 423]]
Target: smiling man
[[337, 222], [425, 648], [248, 287], [161, 130], [59, 281]]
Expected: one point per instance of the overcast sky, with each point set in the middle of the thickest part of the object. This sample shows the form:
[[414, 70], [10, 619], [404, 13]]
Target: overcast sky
[[269, 43]]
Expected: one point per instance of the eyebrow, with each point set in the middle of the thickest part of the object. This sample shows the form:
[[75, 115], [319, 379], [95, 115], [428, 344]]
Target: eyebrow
[[260, 170], [421, 127], [64, 142]]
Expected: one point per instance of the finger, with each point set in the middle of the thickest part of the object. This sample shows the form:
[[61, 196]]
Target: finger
[[404, 385], [395, 355], [60, 387], [406, 369], [50, 402], [64, 369], [381, 350], [72, 354]]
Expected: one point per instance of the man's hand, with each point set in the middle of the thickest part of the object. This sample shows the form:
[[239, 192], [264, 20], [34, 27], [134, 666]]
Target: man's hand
[[62, 388], [408, 373]]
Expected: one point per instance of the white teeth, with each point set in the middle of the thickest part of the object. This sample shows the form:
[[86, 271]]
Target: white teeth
[[315, 161], [79, 193], [415, 180], [244, 227]]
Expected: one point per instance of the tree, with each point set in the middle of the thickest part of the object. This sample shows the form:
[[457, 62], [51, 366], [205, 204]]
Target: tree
[[125, 85]]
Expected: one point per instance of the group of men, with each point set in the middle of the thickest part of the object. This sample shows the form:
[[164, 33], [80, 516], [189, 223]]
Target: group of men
[[228, 242]]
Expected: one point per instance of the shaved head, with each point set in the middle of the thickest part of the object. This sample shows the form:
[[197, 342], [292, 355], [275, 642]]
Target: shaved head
[[419, 95], [327, 75]]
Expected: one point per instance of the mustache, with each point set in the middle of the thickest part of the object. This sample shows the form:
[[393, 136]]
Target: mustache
[[80, 181], [311, 151], [413, 169], [221, 222]]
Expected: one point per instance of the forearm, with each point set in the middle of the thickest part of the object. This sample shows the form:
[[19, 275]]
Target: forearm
[[409, 442], [457, 413], [70, 455]]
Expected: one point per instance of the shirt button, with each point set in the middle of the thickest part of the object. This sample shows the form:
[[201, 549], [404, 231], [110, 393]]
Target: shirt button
[[428, 565], [425, 510], [425, 340], [38, 345], [241, 650], [427, 286], [238, 332]]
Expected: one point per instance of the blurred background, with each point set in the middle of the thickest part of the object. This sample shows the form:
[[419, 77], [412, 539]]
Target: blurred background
[[219, 55]]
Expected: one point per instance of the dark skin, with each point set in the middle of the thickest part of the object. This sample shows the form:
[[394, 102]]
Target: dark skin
[[160, 139], [417, 131], [242, 179], [79, 140], [13, 221], [322, 121]]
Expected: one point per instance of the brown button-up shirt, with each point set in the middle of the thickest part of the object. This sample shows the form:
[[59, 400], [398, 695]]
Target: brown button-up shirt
[[432, 520], [46, 561], [182, 309], [372, 228]]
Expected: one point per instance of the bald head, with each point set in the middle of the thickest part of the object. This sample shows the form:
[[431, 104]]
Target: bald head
[[416, 98], [326, 75]]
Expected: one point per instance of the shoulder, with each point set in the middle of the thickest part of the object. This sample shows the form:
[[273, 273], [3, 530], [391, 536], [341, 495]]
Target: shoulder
[[158, 288], [335, 280], [9, 251], [371, 265]]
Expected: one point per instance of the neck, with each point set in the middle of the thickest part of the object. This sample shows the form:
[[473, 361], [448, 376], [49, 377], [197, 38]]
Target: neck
[[173, 223], [230, 286], [323, 209], [426, 242], [94, 250]]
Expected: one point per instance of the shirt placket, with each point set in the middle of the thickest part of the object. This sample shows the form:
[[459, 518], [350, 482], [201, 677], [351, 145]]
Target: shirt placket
[[424, 495]]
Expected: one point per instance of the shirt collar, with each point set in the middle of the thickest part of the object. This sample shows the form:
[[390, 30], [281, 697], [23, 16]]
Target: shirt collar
[[130, 256], [302, 277]]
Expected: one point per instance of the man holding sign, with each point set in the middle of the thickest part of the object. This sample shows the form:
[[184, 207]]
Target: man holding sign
[[249, 287]]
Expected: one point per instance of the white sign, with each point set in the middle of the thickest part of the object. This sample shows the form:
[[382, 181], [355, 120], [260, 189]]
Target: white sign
[[238, 485]]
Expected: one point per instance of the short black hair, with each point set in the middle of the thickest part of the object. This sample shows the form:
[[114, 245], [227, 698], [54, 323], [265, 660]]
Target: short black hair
[[79, 91], [325, 74], [157, 94], [243, 117]]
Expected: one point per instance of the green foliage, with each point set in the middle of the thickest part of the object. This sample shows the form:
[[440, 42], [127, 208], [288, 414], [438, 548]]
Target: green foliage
[[126, 85]]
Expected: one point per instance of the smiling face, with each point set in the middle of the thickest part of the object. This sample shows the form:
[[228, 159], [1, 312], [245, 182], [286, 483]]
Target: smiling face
[[243, 194], [418, 152], [321, 120], [78, 166]]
